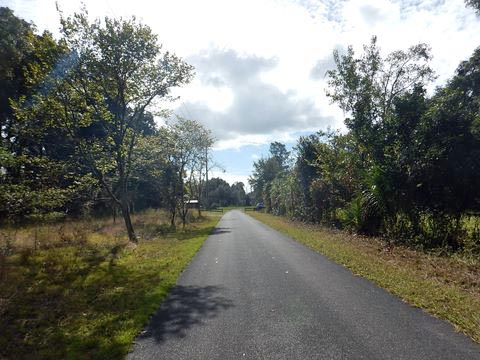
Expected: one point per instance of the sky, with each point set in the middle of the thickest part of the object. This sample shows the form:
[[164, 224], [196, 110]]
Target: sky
[[260, 65]]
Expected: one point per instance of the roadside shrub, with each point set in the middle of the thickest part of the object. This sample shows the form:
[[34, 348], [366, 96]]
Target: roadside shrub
[[351, 216], [471, 223], [442, 230], [362, 215]]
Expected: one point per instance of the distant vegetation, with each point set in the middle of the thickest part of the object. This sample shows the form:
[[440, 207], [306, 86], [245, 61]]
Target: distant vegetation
[[408, 168], [221, 194]]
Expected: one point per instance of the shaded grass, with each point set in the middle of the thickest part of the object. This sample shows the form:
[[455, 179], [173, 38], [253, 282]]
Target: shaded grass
[[83, 301], [447, 287]]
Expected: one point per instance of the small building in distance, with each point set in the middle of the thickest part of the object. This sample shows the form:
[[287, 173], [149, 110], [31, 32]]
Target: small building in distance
[[192, 204]]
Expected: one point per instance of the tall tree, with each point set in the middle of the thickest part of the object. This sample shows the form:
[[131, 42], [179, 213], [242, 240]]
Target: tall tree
[[100, 93], [266, 169], [366, 87], [447, 143], [190, 154], [16, 37], [279, 152], [306, 172], [35, 159]]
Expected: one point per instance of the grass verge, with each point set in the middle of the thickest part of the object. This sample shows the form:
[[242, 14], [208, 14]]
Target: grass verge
[[446, 287], [84, 301]]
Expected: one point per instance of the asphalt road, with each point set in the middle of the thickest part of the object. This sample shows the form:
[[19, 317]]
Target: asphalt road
[[253, 293]]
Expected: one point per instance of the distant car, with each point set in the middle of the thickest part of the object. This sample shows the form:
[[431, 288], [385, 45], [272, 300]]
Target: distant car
[[259, 206]]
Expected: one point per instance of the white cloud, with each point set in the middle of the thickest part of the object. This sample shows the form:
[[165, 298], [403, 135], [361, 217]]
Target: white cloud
[[258, 139], [258, 108], [231, 178]]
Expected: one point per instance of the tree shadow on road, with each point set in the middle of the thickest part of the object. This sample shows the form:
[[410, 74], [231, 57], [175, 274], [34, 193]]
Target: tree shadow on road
[[185, 307], [221, 230]]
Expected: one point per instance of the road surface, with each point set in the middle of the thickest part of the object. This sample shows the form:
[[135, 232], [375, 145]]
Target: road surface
[[253, 293]]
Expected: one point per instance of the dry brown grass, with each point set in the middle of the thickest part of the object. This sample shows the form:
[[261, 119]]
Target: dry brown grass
[[148, 224], [461, 270]]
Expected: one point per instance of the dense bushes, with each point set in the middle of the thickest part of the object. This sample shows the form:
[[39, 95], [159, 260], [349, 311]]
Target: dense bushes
[[409, 166]]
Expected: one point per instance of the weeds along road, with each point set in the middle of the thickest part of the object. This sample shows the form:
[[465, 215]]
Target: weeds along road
[[253, 293]]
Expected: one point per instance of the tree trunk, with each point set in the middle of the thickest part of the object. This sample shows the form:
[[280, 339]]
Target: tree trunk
[[183, 213], [184, 216], [207, 205], [128, 221], [172, 217]]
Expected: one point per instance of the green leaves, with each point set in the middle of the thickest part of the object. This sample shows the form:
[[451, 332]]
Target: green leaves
[[83, 101], [367, 87], [22, 201]]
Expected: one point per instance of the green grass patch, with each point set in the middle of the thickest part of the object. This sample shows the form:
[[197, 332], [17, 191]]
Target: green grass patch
[[83, 301], [446, 287]]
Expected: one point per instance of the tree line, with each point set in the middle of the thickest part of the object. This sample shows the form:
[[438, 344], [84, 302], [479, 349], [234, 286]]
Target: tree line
[[77, 123], [407, 168], [219, 193]]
